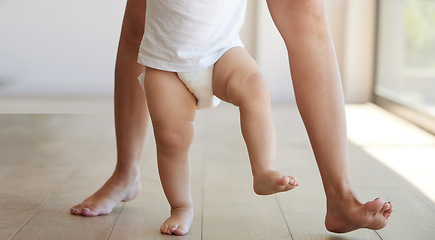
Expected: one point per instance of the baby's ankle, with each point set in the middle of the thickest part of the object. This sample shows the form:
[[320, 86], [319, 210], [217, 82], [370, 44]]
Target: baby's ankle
[[182, 208], [262, 171]]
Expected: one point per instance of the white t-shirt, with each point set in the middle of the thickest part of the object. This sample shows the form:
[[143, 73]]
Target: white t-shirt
[[190, 35]]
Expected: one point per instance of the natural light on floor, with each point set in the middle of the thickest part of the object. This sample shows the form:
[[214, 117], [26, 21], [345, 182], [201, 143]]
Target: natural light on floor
[[403, 147]]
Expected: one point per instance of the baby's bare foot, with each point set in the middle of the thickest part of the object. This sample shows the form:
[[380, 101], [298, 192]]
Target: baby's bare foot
[[345, 216], [271, 181], [120, 187], [179, 222]]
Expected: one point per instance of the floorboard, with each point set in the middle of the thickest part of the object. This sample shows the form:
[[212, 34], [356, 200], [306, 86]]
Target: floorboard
[[49, 163]]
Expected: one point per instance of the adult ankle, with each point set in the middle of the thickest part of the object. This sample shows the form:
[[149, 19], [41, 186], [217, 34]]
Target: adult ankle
[[340, 191], [127, 170]]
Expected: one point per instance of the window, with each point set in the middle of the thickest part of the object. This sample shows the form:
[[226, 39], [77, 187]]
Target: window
[[405, 68]]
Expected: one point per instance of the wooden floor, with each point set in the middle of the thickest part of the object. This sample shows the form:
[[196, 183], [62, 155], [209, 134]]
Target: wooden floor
[[48, 163]]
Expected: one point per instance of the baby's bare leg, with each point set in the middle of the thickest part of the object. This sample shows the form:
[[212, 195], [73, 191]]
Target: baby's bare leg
[[172, 110], [131, 119], [238, 80], [303, 25]]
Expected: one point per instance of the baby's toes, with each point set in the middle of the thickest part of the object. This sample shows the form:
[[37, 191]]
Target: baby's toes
[[290, 182], [180, 231], [172, 228], [294, 182], [284, 181], [165, 229]]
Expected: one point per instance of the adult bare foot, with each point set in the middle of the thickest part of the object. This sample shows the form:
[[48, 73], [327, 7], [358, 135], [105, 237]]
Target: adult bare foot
[[271, 181], [345, 215], [121, 186], [179, 222]]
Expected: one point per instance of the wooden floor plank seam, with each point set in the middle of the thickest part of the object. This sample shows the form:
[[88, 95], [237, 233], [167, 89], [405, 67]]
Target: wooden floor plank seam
[[202, 203], [115, 220], [377, 233], [30, 218], [43, 203], [283, 216]]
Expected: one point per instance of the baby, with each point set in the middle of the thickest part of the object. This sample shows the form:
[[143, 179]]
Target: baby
[[194, 57], [192, 52]]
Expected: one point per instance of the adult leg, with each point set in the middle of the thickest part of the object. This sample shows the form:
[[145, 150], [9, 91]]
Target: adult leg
[[172, 110], [131, 119], [238, 80], [303, 25]]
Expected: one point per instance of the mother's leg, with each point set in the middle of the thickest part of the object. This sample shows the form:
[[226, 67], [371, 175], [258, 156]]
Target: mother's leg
[[131, 119], [303, 25]]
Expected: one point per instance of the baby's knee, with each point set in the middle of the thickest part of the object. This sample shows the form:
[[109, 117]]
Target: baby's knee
[[252, 88], [172, 142]]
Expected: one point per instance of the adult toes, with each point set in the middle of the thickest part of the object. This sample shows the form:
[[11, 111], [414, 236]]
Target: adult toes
[[385, 207], [374, 206], [388, 212], [88, 212], [75, 211], [391, 206]]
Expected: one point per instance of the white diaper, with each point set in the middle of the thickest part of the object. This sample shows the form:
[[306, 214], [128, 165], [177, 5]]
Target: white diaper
[[199, 83]]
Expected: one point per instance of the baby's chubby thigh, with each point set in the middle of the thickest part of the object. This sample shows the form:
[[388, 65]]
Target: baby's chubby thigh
[[238, 79], [168, 99]]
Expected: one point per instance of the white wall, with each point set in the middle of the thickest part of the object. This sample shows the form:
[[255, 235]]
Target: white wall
[[59, 47], [271, 55], [358, 51]]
